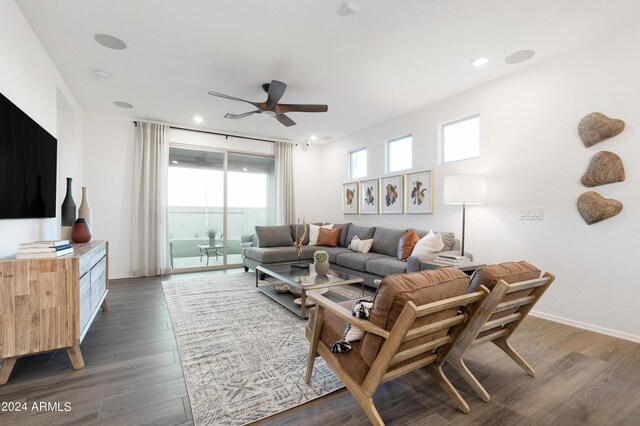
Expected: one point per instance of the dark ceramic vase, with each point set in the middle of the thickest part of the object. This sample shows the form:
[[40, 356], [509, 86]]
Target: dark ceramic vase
[[81, 231], [68, 216]]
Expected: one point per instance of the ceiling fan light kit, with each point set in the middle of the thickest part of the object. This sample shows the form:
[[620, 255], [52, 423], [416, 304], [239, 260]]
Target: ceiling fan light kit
[[271, 107]]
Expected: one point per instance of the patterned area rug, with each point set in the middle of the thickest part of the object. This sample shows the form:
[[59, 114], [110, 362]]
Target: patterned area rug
[[243, 355]]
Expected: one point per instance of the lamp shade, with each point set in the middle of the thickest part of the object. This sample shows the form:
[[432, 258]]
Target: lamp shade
[[469, 189]]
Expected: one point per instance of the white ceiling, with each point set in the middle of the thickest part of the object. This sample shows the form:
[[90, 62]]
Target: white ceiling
[[390, 58]]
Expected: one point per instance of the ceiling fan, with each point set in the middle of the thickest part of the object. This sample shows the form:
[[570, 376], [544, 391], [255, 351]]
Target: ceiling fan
[[271, 107]]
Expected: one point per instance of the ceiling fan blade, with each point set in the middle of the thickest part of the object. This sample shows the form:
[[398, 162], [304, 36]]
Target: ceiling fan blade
[[236, 116], [276, 90], [282, 108], [285, 120], [232, 98]]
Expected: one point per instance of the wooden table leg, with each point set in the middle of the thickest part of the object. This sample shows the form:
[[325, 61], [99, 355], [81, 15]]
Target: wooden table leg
[[104, 306], [75, 356], [7, 368]]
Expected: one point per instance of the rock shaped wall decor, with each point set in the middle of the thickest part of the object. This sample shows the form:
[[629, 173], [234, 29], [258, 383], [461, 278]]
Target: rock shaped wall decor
[[605, 167], [596, 127], [594, 208]]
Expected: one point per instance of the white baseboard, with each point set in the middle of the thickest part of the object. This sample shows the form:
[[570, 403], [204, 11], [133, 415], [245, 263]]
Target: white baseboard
[[585, 326], [121, 277]]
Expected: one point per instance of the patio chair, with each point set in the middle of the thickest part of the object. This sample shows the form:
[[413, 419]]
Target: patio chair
[[515, 289], [414, 320]]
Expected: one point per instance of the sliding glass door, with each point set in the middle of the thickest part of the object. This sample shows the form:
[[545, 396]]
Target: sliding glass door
[[215, 201]]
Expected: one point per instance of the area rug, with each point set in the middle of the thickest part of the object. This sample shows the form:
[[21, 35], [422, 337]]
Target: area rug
[[243, 355]]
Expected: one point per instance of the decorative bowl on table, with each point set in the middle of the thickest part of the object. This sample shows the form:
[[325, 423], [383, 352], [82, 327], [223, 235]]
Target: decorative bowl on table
[[280, 287], [297, 291]]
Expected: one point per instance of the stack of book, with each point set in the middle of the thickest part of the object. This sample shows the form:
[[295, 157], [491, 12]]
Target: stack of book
[[451, 259], [44, 249]]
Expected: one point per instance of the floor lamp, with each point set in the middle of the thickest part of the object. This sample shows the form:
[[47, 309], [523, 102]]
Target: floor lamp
[[465, 189]]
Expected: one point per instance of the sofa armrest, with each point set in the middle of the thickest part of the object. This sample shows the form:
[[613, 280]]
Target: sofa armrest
[[345, 314]]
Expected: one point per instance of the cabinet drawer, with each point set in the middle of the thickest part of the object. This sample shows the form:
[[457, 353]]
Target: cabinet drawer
[[85, 300], [98, 282], [90, 259]]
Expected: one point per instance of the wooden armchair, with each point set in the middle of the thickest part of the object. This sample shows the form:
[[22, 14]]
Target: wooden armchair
[[414, 321], [515, 289]]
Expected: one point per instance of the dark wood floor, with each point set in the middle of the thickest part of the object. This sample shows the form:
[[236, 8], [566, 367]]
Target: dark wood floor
[[133, 376]]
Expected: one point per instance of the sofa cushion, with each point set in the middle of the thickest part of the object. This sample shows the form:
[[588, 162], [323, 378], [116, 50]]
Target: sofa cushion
[[386, 266], [385, 241], [430, 243], [361, 246], [314, 231], [274, 236], [406, 244], [356, 261], [334, 252], [363, 232], [332, 330], [300, 231], [278, 254], [342, 242], [419, 287], [328, 237], [447, 238]]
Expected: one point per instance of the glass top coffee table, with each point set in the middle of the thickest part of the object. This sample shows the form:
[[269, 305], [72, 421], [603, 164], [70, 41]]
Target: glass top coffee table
[[302, 280]]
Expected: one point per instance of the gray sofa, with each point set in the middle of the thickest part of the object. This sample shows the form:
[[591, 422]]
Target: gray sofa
[[274, 245]]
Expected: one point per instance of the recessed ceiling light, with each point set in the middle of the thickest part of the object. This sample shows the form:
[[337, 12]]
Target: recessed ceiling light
[[174, 161], [110, 41], [480, 61], [313, 137], [198, 119], [123, 104], [521, 56], [101, 74], [244, 169]]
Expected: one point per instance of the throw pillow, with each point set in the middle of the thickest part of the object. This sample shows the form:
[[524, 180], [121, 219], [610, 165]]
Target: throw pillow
[[314, 230], [430, 243], [407, 242], [361, 246], [328, 237]]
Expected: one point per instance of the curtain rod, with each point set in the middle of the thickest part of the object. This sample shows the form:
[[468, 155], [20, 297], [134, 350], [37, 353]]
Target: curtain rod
[[217, 133]]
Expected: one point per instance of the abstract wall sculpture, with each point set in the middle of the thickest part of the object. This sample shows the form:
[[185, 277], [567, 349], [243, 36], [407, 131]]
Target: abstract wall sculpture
[[596, 127], [605, 167], [594, 208]]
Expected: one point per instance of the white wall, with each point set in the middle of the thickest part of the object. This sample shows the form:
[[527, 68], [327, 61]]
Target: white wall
[[31, 81], [533, 157]]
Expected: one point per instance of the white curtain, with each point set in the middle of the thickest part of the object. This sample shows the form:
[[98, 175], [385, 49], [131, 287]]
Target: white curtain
[[285, 203], [150, 224]]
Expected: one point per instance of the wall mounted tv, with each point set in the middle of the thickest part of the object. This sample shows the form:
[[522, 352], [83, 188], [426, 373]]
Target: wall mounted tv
[[27, 165]]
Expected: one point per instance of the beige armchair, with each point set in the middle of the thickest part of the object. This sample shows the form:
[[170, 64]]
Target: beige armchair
[[414, 321]]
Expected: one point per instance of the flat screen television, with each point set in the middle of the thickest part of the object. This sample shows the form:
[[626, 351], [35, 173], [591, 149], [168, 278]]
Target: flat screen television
[[28, 159]]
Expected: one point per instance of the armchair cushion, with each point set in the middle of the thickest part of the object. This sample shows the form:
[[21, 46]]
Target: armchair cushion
[[332, 330], [510, 272], [420, 288]]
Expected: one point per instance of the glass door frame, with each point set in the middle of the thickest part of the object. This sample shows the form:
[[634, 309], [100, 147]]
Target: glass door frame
[[225, 155]]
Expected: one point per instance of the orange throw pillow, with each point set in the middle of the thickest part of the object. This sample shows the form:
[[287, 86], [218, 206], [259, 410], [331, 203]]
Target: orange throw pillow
[[406, 244], [329, 237]]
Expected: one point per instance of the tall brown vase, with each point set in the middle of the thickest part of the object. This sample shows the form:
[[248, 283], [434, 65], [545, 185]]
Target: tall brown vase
[[81, 231]]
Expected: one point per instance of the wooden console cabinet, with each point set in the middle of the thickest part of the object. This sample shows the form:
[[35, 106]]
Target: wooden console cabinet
[[49, 304]]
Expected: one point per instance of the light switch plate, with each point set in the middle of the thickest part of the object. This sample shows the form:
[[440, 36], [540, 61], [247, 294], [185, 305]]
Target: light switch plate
[[531, 213]]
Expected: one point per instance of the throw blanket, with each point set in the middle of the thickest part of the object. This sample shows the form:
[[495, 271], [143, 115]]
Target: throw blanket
[[360, 309]]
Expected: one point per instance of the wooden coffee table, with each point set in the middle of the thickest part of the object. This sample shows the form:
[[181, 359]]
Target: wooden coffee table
[[303, 279]]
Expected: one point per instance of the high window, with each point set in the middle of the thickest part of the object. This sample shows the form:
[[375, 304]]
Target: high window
[[399, 154], [358, 164], [461, 139]]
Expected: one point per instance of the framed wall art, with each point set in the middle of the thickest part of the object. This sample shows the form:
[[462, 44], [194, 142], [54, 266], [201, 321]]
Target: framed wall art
[[419, 192], [391, 194], [350, 198], [369, 196]]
